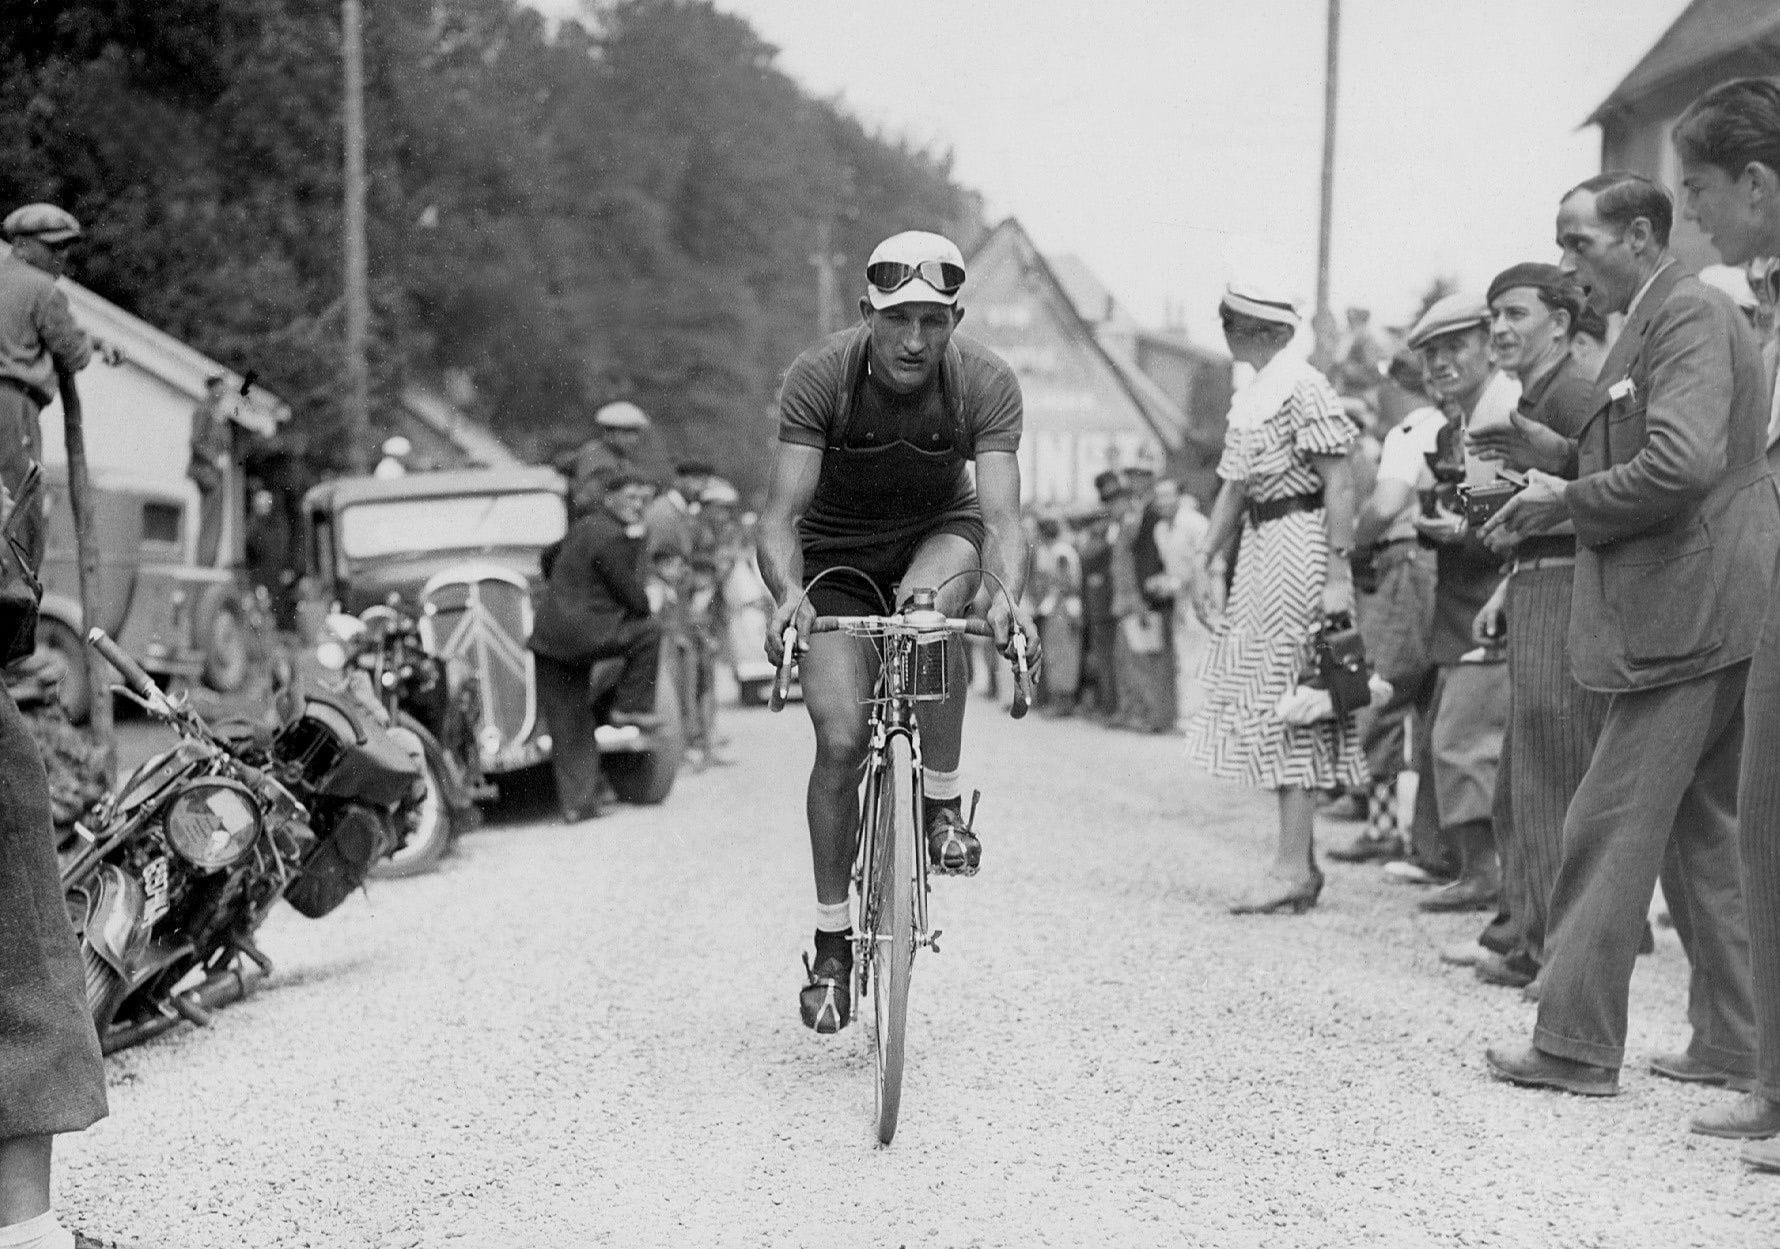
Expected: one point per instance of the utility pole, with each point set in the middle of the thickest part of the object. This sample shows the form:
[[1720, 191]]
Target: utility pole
[[1324, 320], [357, 275], [826, 260]]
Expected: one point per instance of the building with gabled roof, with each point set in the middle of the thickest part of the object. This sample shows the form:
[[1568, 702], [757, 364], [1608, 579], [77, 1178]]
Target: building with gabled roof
[[1711, 42], [1090, 404]]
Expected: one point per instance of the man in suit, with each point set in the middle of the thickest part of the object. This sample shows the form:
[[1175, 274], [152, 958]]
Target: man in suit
[[1729, 144], [1677, 529], [594, 606]]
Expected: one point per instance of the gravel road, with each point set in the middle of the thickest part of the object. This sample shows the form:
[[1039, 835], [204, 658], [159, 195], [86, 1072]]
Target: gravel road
[[588, 1036]]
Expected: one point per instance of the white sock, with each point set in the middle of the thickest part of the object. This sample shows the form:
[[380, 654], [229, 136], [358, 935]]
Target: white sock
[[940, 786], [43, 1232], [830, 917]]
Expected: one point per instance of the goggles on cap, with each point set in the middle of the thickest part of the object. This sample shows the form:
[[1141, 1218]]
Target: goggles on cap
[[892, 275]]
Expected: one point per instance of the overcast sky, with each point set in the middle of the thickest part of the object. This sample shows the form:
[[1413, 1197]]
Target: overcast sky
[[1167, 142]]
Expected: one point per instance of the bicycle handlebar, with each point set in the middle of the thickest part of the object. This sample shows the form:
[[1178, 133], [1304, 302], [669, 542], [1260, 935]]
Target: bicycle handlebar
[[968, 625]]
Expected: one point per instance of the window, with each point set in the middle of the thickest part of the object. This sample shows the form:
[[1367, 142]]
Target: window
[[161, 522], [462, 523]]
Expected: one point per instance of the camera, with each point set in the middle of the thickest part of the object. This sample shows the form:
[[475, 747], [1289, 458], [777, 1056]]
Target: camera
[[1481, 503]]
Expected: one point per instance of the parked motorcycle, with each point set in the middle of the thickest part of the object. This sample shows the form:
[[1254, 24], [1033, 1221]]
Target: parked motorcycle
[[185, 858], [382, 658]]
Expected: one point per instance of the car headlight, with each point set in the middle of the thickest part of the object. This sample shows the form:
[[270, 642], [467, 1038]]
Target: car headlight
[[212, 823]]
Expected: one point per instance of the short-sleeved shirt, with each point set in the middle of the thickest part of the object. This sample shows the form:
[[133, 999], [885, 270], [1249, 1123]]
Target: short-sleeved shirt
[[1404, 460], [1273, 459], [918, 425]]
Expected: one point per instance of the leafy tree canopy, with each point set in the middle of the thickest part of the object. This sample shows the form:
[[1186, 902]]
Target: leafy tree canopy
[[622, 207]]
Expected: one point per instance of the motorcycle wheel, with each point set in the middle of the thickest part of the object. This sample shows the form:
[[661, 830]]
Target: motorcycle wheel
[[431, 836], [105, 988]]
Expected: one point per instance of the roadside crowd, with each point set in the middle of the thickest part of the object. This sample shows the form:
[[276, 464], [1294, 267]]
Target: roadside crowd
[[1561, 559], [642, 567]]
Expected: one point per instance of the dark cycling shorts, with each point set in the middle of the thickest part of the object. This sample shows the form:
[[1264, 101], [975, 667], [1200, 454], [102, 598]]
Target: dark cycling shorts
[[883, 563]]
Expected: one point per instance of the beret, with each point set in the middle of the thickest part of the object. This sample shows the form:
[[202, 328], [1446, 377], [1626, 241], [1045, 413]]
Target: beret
[[1547, 278]]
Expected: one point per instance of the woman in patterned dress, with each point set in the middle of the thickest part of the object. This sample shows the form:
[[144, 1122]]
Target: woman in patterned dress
[[1287, 484]]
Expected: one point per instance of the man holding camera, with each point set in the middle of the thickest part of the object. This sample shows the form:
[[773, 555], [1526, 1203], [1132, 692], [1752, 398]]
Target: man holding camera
[[1464, 739], [1677, 530], [1553, 721]]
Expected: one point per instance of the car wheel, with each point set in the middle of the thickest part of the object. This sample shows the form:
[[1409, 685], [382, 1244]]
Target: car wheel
[[226, 658]]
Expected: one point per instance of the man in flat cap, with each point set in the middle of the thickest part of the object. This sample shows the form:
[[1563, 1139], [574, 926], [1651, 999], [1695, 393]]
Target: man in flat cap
[[1553, 721], [612, 450], [51, 1077], [39, 340], [1463, 734], [1677, 530]]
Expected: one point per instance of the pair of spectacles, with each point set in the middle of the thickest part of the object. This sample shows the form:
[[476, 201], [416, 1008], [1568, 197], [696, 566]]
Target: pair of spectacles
[[892, 275]]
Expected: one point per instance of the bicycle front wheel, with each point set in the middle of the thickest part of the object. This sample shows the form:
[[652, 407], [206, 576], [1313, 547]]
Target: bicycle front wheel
[[893, 934]]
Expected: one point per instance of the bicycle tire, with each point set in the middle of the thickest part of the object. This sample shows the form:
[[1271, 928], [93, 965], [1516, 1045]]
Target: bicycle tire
[[893, 944]]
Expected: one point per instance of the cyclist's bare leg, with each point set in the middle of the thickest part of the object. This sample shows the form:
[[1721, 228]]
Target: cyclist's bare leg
[[837, 674], [943, 556]]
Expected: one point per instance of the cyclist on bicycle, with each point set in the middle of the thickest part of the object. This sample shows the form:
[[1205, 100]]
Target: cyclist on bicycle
[[875, 426]]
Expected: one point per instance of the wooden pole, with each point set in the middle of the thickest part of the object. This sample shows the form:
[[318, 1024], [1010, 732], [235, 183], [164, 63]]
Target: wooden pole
[[80, 498], [1324, 321], [357, 275]]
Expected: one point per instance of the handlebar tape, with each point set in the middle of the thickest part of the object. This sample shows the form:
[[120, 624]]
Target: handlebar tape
[[1022, 678], [782, 679]]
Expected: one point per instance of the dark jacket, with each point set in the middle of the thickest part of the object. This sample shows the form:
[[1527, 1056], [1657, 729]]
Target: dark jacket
[[1677, 522], [595, 583]]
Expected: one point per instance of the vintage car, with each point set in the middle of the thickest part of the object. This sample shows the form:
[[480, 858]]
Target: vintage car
[[461, 550], [184, 617]]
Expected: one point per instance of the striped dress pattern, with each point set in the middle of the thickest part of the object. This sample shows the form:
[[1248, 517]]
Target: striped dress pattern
[[1262, 642]]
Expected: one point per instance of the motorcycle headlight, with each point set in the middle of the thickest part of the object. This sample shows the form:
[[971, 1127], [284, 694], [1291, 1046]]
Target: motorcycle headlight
[[331, 654], [212, 823]]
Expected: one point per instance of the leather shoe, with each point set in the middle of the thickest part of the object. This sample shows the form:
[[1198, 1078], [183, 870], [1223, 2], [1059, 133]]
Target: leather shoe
[[1531, 1066], [1409, 872], [1751, 1117], [1463, 895], [1511, 971], [1762, 1155], [1690, 1070]]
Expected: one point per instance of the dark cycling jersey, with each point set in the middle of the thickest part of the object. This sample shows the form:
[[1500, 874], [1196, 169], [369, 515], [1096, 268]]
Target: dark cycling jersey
[[898, 472]]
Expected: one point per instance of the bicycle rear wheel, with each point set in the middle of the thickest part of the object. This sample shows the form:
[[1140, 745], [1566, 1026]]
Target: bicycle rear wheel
[[893, 935]]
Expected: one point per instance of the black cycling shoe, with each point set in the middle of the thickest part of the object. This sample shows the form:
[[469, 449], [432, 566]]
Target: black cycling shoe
[[826, 1002], [952, 848]]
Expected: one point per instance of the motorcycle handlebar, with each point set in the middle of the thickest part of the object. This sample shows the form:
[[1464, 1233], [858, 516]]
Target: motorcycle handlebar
[[140, 683]]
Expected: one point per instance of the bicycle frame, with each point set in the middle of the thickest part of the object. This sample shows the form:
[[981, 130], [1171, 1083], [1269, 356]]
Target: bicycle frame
[[893, 712]]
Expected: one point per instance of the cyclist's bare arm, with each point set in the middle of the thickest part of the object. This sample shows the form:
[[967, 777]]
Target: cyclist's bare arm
[[1004, 550], [795, 473]]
